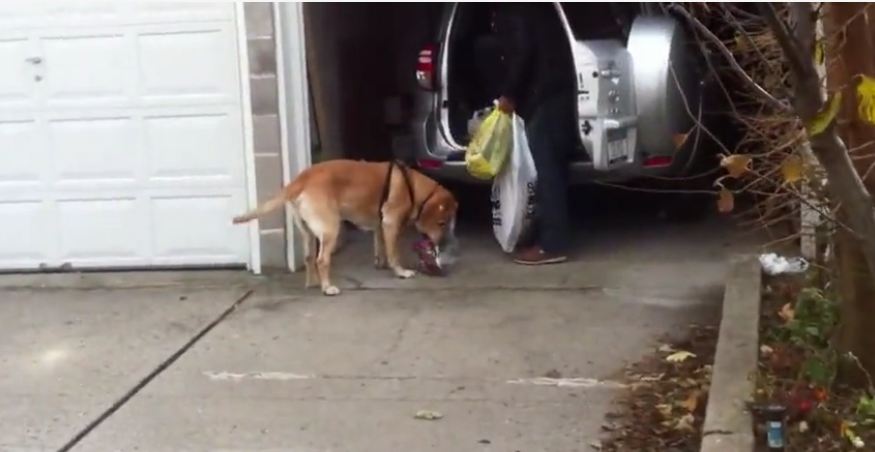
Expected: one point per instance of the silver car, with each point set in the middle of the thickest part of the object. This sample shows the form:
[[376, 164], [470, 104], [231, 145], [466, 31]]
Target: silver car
[[638, 92]]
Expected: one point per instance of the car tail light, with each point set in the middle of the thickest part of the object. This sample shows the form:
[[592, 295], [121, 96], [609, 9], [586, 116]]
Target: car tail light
[[429, 164], [657, 161], [425, 66]]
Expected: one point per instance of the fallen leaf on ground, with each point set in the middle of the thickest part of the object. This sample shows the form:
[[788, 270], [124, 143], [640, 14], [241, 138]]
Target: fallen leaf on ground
[[651, 378], [766, 351], [803, 426], [666, 348], [736, 164], [664, 410], [679, 357], [428, 415], [685, 423], [821, 394], [692, 402], [848, 433]]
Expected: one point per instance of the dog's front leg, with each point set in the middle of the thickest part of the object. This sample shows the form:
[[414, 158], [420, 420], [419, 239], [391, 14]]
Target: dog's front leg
[[391, 236], [379, 248]]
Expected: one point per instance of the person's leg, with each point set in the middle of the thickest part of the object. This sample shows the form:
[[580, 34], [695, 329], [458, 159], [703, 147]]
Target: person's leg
[[548, 142], [552, 188]]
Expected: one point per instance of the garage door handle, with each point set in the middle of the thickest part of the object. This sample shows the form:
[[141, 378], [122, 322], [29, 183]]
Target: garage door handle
[[34, 60]]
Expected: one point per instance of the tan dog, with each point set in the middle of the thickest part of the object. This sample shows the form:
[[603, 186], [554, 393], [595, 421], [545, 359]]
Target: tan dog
[[379, 196]]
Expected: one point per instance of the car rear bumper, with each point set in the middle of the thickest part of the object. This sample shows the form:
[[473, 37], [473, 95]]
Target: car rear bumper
[[431, 150]]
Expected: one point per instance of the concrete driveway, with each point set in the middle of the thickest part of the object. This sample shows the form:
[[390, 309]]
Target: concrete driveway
[[516, 359]]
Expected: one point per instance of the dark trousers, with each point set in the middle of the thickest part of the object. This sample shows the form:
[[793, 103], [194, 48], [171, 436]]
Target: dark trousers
[[550, 130]]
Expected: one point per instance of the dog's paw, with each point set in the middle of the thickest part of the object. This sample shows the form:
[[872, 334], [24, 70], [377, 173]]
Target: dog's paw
[[405, 274], [331, 291]]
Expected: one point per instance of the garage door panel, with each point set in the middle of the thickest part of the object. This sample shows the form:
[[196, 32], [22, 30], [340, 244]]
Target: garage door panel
[[26, 234], [23, 154], [209, 232], [105, 230], [90, 13], [16, 78], [152, 12], [95, 149], [186, 64], [193, 147], [84, 70], [123, 144]]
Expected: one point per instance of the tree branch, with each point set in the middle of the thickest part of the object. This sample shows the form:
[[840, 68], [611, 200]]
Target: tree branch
[[771, 100], [784, 38]]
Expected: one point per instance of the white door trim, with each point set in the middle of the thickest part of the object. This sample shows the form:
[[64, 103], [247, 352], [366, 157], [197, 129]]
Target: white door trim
[[294, 107], [248, 141]]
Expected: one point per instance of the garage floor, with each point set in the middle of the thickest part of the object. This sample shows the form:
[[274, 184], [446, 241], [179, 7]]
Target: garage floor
[[289, 370]]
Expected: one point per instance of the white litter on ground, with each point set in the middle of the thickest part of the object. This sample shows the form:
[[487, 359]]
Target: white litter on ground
[[778, 265], [566, 382], [277, 376]]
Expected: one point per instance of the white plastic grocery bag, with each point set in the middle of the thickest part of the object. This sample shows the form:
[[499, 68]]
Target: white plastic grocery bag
[[513, 191]]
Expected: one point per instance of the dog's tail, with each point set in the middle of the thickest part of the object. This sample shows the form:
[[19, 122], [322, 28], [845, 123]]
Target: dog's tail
[[290, 193]]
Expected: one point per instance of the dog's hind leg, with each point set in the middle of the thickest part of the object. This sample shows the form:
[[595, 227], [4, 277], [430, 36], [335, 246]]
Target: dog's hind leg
[[324, 223], [308, 241], [327, 243]]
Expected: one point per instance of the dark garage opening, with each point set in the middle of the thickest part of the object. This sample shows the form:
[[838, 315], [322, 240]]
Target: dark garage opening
[[361, 61], [361, 65]]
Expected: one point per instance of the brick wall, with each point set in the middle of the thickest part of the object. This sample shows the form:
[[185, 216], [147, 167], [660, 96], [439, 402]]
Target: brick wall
[[265, 107]]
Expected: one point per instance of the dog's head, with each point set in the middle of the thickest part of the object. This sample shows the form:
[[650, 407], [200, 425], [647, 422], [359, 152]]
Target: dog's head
[[438, 217]]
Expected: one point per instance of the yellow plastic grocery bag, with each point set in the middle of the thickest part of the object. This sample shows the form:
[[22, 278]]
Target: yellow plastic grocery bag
[[490, 145]]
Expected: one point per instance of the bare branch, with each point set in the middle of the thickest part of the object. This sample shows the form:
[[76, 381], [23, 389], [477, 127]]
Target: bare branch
[[743, 32], [784, 38], [777, 104]]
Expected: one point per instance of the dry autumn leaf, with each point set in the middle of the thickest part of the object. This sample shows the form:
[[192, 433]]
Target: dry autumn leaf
[[691, 402], [652, 378], [824, 118], [679, 357], [664, 410], [679, 139], [685, 423], [736, 164], [866, 99], [787, 313], [791, 169], [725, 201], [819, 53]]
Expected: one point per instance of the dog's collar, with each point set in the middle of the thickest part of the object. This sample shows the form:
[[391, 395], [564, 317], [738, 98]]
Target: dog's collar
[[388, 184]]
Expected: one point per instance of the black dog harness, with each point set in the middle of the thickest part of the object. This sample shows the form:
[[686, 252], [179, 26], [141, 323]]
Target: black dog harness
[[388, 184]]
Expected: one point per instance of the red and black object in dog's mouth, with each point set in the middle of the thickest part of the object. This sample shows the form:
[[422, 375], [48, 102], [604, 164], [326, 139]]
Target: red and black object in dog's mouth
[[428, 257]]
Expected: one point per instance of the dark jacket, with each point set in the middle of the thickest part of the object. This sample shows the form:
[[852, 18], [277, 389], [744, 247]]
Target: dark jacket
[[539, 61]]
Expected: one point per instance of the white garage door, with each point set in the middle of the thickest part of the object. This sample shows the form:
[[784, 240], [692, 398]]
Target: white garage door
[[121, 137]]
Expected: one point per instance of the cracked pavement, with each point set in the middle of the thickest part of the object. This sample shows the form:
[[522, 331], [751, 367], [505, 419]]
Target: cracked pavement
[[515, 358]]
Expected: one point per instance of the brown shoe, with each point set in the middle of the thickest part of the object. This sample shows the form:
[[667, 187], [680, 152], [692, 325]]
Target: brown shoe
[[536, 256]]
